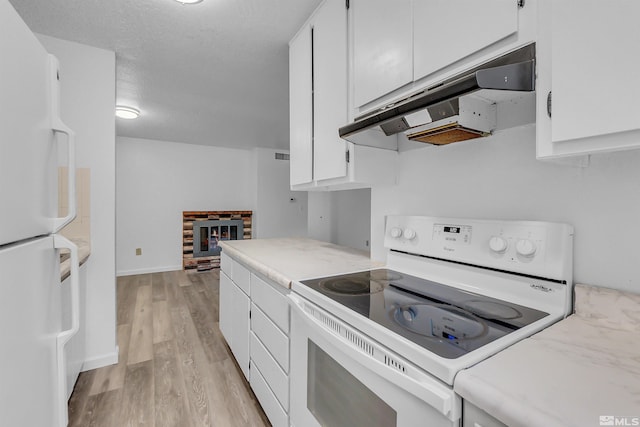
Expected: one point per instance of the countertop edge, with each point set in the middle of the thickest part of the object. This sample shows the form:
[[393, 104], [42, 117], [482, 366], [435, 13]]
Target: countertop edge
[[251, 263]]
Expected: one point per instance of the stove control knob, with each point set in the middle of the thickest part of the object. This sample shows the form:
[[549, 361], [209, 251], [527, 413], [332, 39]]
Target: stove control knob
[[526, 247], [408, 314], [396, 232], [498, 244], [409, 234]]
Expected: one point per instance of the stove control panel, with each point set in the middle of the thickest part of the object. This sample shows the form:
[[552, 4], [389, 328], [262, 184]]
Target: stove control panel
[[541, 249], [452, 234]]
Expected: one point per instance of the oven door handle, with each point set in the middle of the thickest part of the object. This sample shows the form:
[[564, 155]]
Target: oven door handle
[[424, 387]]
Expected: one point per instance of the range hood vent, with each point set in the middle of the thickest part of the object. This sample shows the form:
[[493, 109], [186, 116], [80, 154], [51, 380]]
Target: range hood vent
[[442, 114]]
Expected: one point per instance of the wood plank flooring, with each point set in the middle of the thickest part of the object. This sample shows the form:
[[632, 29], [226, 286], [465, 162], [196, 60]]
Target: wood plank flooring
[[174, 369]]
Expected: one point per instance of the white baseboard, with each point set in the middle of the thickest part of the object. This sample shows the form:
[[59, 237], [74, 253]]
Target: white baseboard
[[100, 361], [148, 270]]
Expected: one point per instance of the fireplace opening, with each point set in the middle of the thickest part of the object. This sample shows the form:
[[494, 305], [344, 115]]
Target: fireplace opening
[[202, 232], [207, 234]]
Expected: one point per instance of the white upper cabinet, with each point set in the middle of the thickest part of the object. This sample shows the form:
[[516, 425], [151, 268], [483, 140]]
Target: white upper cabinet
[[587, 62], [382, 47], [300, 109], [319, 90], [329, 89], [445, 31]]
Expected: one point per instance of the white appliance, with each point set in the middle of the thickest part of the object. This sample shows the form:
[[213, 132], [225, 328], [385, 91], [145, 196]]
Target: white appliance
[[383, 347], [32, 372]]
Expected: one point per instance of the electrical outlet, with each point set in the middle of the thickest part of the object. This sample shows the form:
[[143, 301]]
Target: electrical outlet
[[138, 251]]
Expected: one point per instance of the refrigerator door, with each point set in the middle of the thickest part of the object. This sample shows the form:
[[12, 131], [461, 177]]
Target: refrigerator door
[[30, 124], [30, 315]]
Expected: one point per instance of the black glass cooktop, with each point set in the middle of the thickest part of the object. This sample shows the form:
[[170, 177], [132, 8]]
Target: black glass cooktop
[[447, 321]]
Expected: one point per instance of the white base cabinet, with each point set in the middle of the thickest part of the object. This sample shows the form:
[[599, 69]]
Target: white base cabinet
[[255, 321], [234, 312], [472, 416]]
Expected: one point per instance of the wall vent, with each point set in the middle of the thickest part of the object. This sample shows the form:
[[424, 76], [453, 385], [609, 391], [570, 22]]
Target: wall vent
[[282, 156]]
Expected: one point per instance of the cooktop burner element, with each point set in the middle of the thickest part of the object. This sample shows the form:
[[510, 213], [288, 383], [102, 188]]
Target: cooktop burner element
[[364, 283], [445, 320], [353, 287], [492, 310]]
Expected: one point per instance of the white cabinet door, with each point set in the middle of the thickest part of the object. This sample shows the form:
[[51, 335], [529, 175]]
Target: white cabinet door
[[234, 320], [240, 306], [446, 31], [382, 47], [588, 64], [329, 89], [225, 307], [300, 108]]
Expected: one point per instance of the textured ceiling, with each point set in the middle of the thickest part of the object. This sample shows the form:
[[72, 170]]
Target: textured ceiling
[[214, 73]]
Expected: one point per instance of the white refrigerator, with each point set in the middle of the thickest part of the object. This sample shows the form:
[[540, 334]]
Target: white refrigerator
[[32, 141]]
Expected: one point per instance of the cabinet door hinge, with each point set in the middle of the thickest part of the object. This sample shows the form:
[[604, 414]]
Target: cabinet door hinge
[[521, 3], [549, 104], [249, 368], [346, 156], [346, 4], [249, 314]]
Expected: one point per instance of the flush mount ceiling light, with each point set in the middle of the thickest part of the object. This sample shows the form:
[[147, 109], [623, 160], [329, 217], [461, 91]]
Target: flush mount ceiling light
[[126, 112], [189, 1]]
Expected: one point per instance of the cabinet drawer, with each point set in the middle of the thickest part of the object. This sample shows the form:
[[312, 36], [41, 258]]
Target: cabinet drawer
[[273, 303], [226, 264], [275, 377], [476, 417], [274, 340], [241, 276], [277, 416]]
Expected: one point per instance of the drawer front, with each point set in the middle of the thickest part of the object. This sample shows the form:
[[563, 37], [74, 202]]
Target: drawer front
[[226, 264], [275, 341], [241, 277], [268, 401], [476, 417], [274, 376], [271, 302]]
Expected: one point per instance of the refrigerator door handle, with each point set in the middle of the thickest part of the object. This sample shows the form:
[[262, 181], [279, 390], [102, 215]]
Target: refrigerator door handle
[[63, 337], [59, 127]]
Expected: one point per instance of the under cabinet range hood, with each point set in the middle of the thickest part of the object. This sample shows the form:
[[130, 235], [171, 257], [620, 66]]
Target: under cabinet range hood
[[443, 113]]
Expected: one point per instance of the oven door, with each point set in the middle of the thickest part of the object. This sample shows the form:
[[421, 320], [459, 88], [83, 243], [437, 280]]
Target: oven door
[[340, 377]]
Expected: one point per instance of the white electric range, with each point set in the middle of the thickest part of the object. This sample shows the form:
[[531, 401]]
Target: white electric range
[[382, 347]]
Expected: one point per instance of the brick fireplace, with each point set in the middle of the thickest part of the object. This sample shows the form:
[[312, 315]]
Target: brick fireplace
[[201, 232]]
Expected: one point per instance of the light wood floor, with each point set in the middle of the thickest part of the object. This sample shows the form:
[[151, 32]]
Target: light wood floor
[[175, 368]]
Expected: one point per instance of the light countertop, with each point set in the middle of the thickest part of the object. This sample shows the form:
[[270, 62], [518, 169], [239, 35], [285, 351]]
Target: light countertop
[[570, 374], [284, 260], [84, 250]]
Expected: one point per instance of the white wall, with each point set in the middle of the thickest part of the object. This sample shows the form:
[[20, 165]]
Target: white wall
[[352, 218], [279, 212], [87, 78], [499, 178], [320, 219], [157, 181], [341, 217]]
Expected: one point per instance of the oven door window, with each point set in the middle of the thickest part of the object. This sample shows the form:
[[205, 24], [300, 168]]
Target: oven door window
[[337, 399]]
